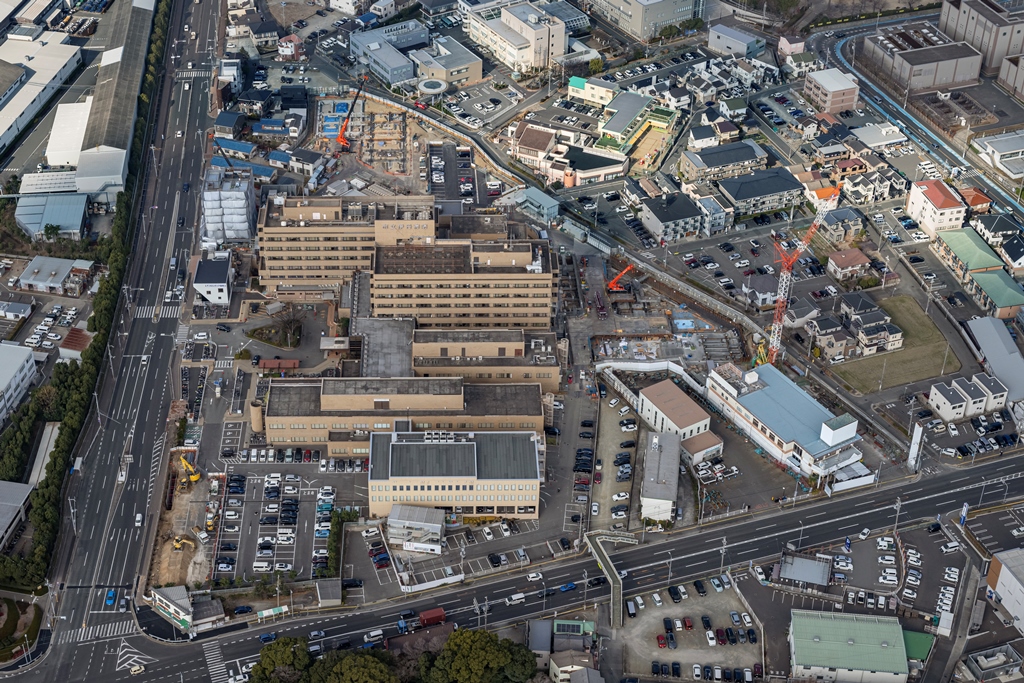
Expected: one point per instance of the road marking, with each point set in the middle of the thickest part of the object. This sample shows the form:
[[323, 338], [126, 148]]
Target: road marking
[[960, 479], [948, 502], [851, 526], [866, 502], [762, 528]]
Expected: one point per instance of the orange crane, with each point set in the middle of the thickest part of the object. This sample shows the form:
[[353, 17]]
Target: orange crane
[[342, 140], [614, 285], [786, 261]]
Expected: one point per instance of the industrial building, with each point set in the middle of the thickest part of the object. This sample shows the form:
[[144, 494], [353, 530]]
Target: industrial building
[[17, 373], [229, 206], [659, 488], [727, 40], [341, 413], [644, 19], [835, 647], [14, 504], [66, 211], [59, 276], [32, 72], [1003, 359], [521, 36], [332, 237], [493, 473], [780, 417], [460, 283], [63, 150], [1003, 151], [991, 27], [917, 57], [667, 408]]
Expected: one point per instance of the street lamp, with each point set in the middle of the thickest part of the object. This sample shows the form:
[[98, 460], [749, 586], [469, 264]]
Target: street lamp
[[896, 524], [983, 485], [721, 565], [800, 542]]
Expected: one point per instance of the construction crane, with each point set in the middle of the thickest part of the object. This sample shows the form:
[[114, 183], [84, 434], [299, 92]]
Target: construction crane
[[342, 140], [786, 261], [614, 285]]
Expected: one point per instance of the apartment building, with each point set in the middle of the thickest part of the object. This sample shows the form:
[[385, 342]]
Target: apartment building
[[522, 36], [831, 90], [935, 206], [447, 60], [494, 356], [460, 283], [643, 19], [763, 190], [723, 161], [310, 246], [994, 29], [342, 413], [471, 473]]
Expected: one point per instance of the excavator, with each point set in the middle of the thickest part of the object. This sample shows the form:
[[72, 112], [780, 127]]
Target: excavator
[[190, 469], [342, 140], [180, 543], [614, 285]]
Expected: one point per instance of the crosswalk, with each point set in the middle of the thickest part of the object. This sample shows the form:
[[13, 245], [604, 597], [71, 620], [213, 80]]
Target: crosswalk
[[97, 632], [215, 662], [181, 336], [154, 467], [193, 73], [172, 311]]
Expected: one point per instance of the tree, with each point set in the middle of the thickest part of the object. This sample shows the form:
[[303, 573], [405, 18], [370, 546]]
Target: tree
[[596, 65], [470, 657], [285, 661], [670, 31], [51, 231], [289, 319], [352, 667]]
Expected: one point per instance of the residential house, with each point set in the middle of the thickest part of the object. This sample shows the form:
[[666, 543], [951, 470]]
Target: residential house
[[632, 192], [848, 264], [881, 337], [980, 270], [791, 45], [819, 192], [672, 217], [237, 149], [723, 161], [798, 65], [848, 167], [975, 395], [935, 207], [801, 312], [843, 224], [702, 90], [291, 48], [761, 191], [760, 291], [874, 186], [726, 132], [1012, 251], [256, 103], [305, 161], [264, 34], [828, 149], [677, 98], [947, 402], [807, 127], [290, 126], [229, 124], [562, 664], [829, 335], [976, 200], [856, 305], [734, 109], [996, 228], [995, 391], [701, 137]]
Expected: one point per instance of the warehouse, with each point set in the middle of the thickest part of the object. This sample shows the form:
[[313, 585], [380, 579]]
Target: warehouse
[[920, 58], [660, 485], [64, 145], [65, 211]]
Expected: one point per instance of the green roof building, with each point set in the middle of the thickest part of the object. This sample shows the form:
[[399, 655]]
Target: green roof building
[[847, 648]]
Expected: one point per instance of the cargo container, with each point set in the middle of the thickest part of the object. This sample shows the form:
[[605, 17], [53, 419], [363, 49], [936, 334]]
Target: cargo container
[[431, 617]]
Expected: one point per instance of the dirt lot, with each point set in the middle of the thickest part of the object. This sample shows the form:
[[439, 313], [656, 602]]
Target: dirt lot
[[190, 564], [923, 354], [287, 13]]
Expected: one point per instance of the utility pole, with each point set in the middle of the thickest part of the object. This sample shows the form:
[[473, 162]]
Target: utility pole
[[721, 565]]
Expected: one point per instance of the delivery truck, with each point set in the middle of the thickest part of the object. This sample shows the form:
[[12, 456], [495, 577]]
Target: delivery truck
[[431, 617]]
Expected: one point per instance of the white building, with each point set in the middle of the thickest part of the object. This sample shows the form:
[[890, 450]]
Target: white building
[[667, 408], [847, 648], [14, 500], [17, 371], [1004, 152], [1005, 583], [229, 206], [416, 529], [965, 398], [935, 206], [660, 486], [213, 281], [726, 40], [64, 145], [521, 36], [32, 71], [777, 415]]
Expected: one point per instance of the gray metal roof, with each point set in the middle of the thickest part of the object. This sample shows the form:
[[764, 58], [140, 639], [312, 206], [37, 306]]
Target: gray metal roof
[[661, 467], [478, 455], [12, 496], [35, 212], [46, 271], [952, 396], [802, 569], [1002, 357], [433, 460], [760, 183], [727, 155], [211, 272], [991, 384]]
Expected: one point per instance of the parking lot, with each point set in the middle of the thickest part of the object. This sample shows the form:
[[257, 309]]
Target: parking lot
[[999, 531], [700, 629]]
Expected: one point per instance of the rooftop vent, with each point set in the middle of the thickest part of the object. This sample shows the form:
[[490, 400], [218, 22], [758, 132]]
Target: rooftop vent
[[850, 641]]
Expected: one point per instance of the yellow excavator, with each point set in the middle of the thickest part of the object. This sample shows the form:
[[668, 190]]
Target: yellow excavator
[[190, 469], [180, 543]]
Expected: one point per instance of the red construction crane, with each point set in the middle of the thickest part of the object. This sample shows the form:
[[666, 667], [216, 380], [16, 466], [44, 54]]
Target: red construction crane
[[614, 285], [342, 140], [786, 261]]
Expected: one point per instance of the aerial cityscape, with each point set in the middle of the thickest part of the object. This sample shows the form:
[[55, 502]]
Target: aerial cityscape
[[511, 341]]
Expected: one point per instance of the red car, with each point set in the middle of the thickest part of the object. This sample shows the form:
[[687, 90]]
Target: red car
[[597, 478], [661, 641], [687, 624], [421, 105], [748, 271], [720, 635]]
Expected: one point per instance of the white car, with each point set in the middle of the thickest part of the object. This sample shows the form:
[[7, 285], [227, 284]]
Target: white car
[[622, 208], [595, 508], [488, 534], [914, 561], [742, 264], [656, 597], [367, 533], [535, 576], [887, 559], [747, 621], [844, 566], [619, 515], [48, 345], [628, 428], [282, 567], [612, 403], [759, 573], [52, 336], [267, 539], [889, 571], [909, 594], [321, 552], [888, 580], [622, 495], [505, 530], [913, 581], [769, 270], [953, 431], [710, 635], [711, 266], [952, 570]]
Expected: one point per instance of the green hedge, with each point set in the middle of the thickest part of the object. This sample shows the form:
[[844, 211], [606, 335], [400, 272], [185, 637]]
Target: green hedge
[[10, 624], [66, 399]]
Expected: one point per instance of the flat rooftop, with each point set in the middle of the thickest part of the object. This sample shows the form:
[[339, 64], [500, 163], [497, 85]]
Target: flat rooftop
[[474, 455], [661, 467]]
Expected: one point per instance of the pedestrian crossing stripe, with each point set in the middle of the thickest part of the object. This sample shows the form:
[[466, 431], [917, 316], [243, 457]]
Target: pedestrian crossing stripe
[[215, 663], [165, 311], [97, 632], [193, 74]]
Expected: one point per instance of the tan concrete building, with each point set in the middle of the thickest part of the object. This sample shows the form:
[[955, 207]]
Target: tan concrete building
[[459, 283], [343, 412], [489, 356], [521, 36], [309, 246], [831, 90], [472, 473], [994, 28]]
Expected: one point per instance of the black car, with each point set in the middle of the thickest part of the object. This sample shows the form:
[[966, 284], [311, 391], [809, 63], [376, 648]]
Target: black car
[[494, 560], [628, 444], [221, 327], [924, 414], [587, 423], [596, 581], [664, 670], [751, 635], [552, 431], [236, 489], [677, 670], [225, 560], [727, 674], [586, 435], [181, 221], [705, 621], [228, 547], [243, 609], [351, 583], [237, 477], [699, 585], [625, 508], [707, 673], [564, 542], [655, 668], [730, 635], [916, 259], [268, 520], [575, 519], [584, 451]]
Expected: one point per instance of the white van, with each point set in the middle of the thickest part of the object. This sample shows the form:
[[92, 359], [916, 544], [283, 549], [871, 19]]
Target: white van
[[515, 599], [138, 519], [623, 410], [261, 567], [374, 636], [640, 602], [950, 547]]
